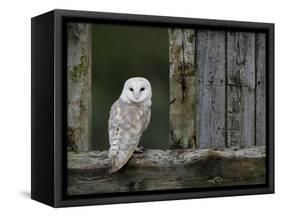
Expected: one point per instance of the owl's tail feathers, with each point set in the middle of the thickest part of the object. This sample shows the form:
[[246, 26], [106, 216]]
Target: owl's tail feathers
[[113, 165], [113, 155], [113, 168], [120, 159]]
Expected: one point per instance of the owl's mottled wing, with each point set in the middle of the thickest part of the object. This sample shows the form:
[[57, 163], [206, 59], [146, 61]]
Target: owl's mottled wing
[[126, 125]]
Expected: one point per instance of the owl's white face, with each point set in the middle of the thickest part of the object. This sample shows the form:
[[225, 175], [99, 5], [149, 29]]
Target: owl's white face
[[136, 90]]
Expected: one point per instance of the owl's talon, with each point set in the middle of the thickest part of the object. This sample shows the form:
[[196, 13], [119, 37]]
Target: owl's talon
[[139, 150]]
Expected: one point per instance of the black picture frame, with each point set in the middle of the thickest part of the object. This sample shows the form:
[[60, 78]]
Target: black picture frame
[[49, 108]]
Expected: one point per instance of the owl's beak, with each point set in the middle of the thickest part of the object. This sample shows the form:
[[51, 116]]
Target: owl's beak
[[136, 95]]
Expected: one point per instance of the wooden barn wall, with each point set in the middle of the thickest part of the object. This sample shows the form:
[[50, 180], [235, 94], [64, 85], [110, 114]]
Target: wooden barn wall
[[217, 89]]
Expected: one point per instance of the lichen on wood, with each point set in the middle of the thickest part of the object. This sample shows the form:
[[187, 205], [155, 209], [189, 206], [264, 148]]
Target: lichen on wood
[[166, 169], [217, 88], [182, 88], [79, 73]]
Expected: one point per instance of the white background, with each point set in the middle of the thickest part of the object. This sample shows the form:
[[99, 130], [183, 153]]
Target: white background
[[15, 106]]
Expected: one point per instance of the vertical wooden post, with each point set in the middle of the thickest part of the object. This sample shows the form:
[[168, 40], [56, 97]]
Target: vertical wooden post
[[79, 72], [182, 88], [211, 94], [241, 89], [260, 89]]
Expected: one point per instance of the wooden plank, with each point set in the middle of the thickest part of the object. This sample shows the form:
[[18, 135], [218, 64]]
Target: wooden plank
[[240, 89], [182, 88], [210, 108], [172, 169], [79, 86], [260, 89]]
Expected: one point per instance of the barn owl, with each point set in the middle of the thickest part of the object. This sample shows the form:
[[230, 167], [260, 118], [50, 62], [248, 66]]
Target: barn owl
[[129, 117]]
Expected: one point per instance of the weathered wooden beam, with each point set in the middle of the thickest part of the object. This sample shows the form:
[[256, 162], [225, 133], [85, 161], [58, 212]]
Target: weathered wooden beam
[[211, 91], [240, 89], [79, 73], [182, 88], [170, 169], [260, 89]]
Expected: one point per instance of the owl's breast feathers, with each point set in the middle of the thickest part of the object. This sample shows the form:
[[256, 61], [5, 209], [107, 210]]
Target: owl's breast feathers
[[126, 124]]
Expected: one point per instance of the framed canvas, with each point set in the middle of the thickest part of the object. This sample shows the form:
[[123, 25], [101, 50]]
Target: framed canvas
[[130, 108]]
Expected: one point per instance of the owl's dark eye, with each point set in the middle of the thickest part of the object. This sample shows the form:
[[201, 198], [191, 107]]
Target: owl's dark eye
[[142, 89], [131, 89]]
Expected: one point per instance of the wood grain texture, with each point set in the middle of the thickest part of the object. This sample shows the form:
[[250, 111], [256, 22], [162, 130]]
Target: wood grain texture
[[241, 89], [171, 169], [210, 107], [79, 74], [182, 88], [260, 89]]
